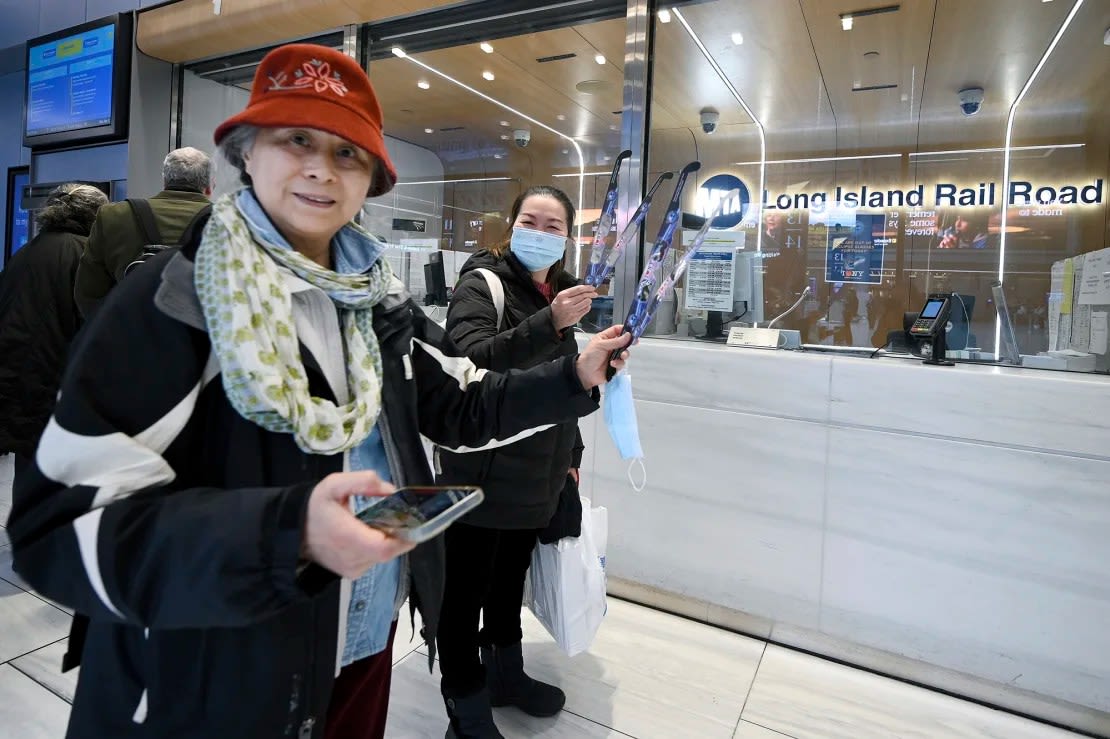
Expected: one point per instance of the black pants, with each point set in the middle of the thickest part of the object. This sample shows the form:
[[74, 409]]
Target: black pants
[[485, 577], [21, 468]]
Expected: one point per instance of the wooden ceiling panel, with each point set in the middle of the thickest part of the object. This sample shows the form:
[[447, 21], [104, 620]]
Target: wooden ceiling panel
[[796, 68], [188, 30], [1071, 98], [685, 83]]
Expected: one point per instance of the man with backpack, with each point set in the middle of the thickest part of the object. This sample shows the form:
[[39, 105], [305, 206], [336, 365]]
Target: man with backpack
[[125, 233]]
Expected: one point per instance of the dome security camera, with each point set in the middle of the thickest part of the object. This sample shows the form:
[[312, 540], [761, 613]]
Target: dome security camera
[[522, 137], [971, 100], [709, 118]]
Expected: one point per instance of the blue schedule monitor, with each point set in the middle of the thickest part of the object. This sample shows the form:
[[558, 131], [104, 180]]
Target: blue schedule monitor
[[18, 220], [70, 82]]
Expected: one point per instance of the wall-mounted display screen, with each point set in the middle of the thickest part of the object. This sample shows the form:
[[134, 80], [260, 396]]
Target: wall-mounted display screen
[[17, 219], [77, 84]]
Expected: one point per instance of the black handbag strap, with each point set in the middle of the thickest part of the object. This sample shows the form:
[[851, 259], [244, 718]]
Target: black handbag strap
[[144, 216]]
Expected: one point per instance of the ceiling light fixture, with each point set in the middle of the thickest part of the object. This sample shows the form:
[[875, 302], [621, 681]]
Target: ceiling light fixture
[[995, 149], [505, 137], [451, 182], [429, 130], [822, 159], [560, 117], [664, 16], [846, 19], [600, 58], [398, 52], [737, 38], [1009, 138], [498, 156], [488, 75], [533, 121], [486, 47], [423, 84]]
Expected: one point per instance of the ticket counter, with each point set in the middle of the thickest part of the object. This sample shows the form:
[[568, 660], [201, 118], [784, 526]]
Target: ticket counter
[[944, 524]]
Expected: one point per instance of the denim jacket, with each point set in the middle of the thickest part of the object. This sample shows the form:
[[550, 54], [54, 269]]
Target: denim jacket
[[375, 597]]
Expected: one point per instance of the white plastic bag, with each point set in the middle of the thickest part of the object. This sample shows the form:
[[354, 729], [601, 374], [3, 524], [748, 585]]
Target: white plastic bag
[[567, 583]]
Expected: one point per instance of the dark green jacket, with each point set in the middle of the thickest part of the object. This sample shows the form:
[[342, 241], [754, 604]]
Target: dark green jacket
[[116, 241]]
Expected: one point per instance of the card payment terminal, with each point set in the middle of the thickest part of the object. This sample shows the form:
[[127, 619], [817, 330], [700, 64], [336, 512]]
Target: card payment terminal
[[931, 325]]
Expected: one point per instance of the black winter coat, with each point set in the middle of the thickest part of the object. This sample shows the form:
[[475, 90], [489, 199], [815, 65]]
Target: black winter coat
[[522, 481], [175, 525], [38, 319]]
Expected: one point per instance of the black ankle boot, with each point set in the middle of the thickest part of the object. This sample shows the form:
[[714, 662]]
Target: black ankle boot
[[509, 686], [471, 716]]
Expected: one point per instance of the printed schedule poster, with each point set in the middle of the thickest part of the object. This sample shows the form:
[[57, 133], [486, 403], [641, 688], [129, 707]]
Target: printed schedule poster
[[710, 275], [69, 82], [856, 255]]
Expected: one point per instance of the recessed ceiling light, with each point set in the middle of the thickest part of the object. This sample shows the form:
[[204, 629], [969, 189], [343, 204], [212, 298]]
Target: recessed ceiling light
[[429, 130], [423, 84], [566, 151], [560, 117], [398, 51], [486, 47], [498, 156], [737, 38], [504, 137], [664, 16], [846, 22], [600, 58], [488, 75], [505, 124]]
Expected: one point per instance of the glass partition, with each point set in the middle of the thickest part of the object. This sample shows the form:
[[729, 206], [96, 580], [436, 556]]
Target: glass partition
[[885, 170], [1056, 266], [482, 122]]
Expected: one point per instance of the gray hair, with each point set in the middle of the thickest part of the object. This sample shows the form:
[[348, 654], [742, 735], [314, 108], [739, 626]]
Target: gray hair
[[187, 169], [236, 145], [71, 207]]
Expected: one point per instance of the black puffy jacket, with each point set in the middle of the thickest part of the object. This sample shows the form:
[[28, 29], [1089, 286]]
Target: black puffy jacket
[[521, 481], [175, 525], [38, 319]]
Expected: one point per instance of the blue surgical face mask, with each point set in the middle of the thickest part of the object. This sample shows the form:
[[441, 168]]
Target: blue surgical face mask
[[537, 250], [620, 418]]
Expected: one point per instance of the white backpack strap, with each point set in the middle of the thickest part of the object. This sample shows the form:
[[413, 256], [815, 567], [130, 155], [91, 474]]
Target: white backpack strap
[[496, 291]]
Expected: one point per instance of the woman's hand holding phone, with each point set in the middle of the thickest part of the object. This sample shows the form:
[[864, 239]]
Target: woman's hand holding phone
[[334, 538]]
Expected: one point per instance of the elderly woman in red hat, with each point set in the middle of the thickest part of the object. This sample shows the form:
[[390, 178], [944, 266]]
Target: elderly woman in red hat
[[231, 407]]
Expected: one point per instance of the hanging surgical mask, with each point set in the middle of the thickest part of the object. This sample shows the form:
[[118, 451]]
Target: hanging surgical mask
[[620, 418], [537, 250]]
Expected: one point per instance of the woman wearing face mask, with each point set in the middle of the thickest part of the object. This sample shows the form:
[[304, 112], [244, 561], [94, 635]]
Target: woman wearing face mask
[[489, 552]]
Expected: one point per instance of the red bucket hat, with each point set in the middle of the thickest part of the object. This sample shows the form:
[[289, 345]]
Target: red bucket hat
[[317, 87]]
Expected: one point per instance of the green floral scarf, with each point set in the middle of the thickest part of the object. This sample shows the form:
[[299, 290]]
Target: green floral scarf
[[249, 312]]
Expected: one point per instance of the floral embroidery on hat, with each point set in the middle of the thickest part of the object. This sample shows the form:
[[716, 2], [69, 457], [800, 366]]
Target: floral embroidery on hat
[[315, 75]]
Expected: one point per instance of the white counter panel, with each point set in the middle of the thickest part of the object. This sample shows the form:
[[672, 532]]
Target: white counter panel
[[959, 517], [1054, 411], [728, 516], [944, 564]]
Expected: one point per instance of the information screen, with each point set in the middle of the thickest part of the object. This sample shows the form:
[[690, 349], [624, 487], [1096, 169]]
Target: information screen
[[19, 225], [69, 82]]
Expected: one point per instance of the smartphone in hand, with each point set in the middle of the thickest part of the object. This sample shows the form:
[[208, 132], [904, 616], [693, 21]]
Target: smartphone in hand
[[417, 514]]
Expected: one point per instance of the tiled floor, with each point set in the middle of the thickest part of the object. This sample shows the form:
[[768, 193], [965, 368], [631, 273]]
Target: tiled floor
[[649, 675]]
